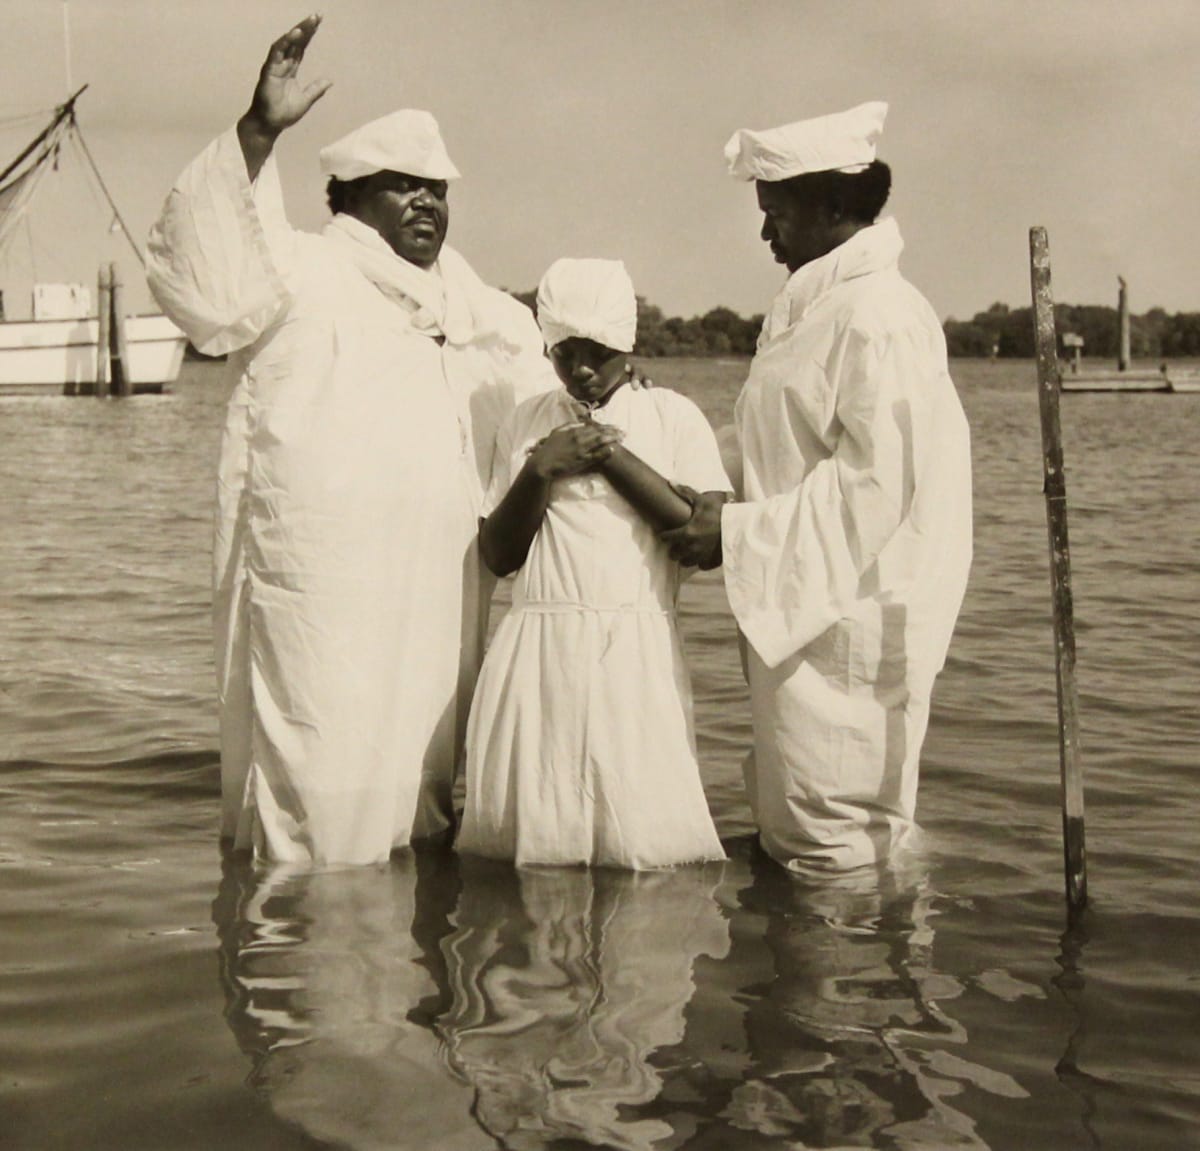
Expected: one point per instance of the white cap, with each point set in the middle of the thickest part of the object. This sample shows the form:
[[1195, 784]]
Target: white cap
[[589, 298], [404, 141], [843, 142]]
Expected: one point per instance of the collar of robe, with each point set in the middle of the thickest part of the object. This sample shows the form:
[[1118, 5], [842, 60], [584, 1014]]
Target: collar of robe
[[871, 249], [447, 300]]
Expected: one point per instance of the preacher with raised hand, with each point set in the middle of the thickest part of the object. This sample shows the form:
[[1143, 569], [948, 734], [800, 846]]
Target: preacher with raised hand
[[846, 564], [373, 368]]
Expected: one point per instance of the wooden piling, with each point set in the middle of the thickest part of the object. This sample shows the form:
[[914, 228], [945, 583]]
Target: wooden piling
[[122, 384], [1049, 385], [1123, 356], [104, 324]]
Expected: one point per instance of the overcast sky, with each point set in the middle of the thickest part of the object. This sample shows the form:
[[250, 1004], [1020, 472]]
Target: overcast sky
[[596, 127]]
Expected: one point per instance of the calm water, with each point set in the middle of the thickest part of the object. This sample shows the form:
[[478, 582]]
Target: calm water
[[155, 997]]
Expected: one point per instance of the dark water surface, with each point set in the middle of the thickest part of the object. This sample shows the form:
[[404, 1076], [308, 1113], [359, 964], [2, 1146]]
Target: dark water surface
[[154, 996]]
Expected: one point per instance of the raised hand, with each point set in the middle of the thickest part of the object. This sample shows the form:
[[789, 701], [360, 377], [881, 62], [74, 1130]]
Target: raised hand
[[280, 98]]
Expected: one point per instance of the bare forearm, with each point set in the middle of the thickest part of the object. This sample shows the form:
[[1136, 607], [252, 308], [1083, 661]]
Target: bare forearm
[[650, 494], [257, 142], [506, 535]]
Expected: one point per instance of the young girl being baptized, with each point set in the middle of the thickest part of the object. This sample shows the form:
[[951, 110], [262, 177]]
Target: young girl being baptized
[[580, 748]]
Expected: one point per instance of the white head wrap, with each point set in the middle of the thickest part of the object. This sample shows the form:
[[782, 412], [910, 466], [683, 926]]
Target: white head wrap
[[844, 142], [405, 141], [589, 298]]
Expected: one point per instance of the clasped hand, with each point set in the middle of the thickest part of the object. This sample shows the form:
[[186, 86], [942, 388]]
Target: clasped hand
[[698, 542], [573, 449]]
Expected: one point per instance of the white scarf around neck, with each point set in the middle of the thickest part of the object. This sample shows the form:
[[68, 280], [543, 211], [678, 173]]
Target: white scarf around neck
[[451, 299]]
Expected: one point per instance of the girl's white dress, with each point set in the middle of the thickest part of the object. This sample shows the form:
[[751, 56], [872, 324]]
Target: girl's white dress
[[580, 747]]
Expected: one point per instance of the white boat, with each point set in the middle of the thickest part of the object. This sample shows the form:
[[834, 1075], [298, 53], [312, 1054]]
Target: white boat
[[57, 350], [58, 357]]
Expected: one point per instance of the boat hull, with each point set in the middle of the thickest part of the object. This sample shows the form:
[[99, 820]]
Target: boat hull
[[58, 357]]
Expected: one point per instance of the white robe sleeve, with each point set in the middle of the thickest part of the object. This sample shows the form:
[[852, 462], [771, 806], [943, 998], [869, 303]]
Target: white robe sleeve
[[731, 456], [501, 477], [532, 371], [219, 256], [523, 372], [796, 562], [696, 458]]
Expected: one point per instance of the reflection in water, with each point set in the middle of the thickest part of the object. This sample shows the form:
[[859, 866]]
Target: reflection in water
[[465, 1005], [332, 980], [566, 982], [843, 1036], [1071, 983]]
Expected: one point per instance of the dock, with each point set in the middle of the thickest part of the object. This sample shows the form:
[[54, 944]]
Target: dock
[[1123, 378], [1167, 381]]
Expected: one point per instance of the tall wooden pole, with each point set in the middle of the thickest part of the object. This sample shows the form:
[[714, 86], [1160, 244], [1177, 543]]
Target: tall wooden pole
[[1049, 381], [122, 384], [104, 323], [1122, 325]]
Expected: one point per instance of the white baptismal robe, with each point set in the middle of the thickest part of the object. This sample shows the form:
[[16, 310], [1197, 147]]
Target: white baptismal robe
[[350, 604], [580, 747], [847, 564]]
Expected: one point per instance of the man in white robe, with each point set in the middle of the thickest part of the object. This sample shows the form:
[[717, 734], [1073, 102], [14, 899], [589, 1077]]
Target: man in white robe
[[373, 368], [846, 562]]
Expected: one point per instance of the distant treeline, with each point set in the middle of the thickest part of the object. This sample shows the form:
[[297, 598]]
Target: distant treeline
[[1000, 331], [1005, 331]]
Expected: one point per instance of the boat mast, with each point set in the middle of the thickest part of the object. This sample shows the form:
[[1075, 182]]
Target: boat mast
[[61, 113], [65, 115], [65, 123]]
